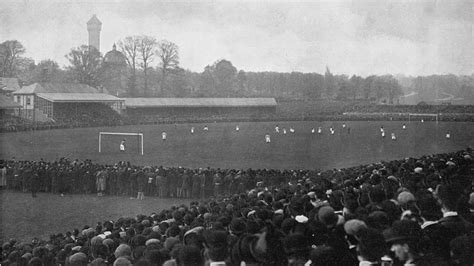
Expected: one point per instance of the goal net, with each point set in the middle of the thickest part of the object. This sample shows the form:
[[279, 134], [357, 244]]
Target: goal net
[[423, 117], [111, 141]]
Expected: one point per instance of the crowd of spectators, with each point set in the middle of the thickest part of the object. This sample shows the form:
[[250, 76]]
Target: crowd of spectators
[[403, 212], [420, 108], [87, 115]]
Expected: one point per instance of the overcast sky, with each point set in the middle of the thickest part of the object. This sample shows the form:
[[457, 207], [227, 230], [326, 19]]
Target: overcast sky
[[351, 37]]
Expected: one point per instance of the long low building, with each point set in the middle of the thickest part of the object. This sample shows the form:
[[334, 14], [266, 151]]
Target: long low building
[[199, 106], [69, 101]]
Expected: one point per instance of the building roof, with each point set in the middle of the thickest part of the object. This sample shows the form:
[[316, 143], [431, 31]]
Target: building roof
[[7, 103], [79, 97], [198, 102], [9, 84], [56, 88], [115, 57], [94, 21]]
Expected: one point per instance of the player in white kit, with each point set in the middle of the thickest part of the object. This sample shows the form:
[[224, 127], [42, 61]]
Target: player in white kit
[[448, 135], [284, 131], [205, 128], [393, 136], [267, 138], [404, 126], [277, 129], [192, 130], [312, 130], [237, 128], [320, 130], [343, 125], [292, 130], [163, 135], [122, 146]]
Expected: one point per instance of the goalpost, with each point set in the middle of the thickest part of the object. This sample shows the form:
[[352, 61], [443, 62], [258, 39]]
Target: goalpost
[[140, 138], [423, 115]]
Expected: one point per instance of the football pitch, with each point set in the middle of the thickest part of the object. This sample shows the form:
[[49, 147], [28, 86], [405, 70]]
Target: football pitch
[[222, 146]]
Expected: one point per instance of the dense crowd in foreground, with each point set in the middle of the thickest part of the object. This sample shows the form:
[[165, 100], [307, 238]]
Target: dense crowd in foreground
[[404, 212]]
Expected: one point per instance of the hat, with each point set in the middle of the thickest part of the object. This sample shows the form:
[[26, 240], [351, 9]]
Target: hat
[[108, 242], [152, 241], [88, 232], [353, 226], [392, 178], [301, 219], [78, 258], [122, 262], [170, 242], [216, 239], [251, 212], [403, 230], [195, 230], [237, 226], [327, 216], [146, 222], [405, 197], [27, 256], [279, 211], [96, 241], [123, 250], [450, 163], [98, 262]]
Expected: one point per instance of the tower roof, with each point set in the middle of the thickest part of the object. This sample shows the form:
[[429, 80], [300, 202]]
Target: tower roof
[[94, 21]]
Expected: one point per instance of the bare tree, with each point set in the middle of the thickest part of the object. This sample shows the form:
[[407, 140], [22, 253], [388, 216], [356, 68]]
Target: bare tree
[[146, 49], [169, 57], [10, 51], [130, 48]]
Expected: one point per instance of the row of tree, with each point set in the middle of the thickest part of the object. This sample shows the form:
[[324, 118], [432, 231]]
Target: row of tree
[[151, 69]]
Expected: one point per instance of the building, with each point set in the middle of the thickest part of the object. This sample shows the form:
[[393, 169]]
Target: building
[[115, 72], [39, 100], [93, 27], [199, 107]]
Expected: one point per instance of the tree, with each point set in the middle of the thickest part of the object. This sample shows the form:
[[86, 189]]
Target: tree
[[225, 74], [10, 52], [146, 49], [329, 84], [130, 48], [47, 71], [86, 65], [169, 59]]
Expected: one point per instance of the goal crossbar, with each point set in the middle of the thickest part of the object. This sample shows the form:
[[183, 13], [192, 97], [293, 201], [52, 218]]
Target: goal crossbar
[[419, 114], [140, 138]]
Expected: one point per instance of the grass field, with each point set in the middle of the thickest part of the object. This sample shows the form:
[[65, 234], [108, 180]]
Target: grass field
[[23, 217], [224, 147]]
